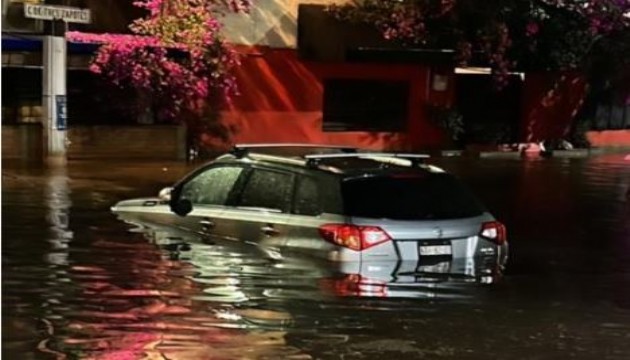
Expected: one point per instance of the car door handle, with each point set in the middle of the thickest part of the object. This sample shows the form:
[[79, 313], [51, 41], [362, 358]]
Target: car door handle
[[269, 230], [206, 224]]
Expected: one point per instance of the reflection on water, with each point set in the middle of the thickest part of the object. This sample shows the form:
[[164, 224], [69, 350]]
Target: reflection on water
[[79, 284], [58, 204]]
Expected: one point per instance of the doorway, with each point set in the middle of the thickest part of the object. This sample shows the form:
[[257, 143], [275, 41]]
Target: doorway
[[489, 116]]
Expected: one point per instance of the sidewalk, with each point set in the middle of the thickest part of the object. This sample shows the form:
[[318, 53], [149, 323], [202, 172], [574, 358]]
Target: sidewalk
[[562, 154]]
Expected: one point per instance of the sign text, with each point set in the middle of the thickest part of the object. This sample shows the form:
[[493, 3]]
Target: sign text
[[65, 13]]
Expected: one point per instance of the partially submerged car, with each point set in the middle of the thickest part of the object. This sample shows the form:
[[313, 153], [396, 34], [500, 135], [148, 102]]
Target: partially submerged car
[[334, 203]]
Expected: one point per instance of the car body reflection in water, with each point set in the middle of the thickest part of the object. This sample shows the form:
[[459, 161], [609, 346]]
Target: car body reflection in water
[[77, 284], [160, 293], [141, 301], [227, 266]]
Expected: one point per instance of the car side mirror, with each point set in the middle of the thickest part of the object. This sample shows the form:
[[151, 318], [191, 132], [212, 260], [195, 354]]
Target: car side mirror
[[165, 194], [181, 207]]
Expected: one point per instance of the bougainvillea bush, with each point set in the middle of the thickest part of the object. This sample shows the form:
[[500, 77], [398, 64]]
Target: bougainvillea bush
[[175, 56], [506, 34]]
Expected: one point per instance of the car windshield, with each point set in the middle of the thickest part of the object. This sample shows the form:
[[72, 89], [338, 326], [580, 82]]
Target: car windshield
[[422, 196]]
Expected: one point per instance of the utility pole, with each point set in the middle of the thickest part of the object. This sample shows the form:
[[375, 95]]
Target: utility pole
[[54, 89], [54, 99]]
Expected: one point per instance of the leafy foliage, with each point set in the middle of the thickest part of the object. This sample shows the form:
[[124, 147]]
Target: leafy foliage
[[175, 54], [506, 34], [448, 119]]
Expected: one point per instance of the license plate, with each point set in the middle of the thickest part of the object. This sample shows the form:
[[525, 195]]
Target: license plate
[[430, 250]]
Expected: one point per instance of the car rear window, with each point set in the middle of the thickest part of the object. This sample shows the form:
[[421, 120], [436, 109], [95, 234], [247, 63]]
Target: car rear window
[[422, 196]]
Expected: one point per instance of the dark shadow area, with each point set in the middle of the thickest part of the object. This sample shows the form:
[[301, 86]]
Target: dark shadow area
[[490, 116]]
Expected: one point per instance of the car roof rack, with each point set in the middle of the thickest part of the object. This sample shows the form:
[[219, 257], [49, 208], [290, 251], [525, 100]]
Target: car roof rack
[[415, 159], [240, 150]]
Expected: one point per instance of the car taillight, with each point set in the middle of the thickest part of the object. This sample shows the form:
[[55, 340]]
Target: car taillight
[[495, 231], [352, 236]]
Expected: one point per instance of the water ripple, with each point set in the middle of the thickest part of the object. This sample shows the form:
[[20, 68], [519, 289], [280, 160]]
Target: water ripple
[[78, 284]]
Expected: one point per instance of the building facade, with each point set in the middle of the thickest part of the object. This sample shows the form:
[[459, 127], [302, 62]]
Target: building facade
[[307, 78], [99, 124], [298, 84]]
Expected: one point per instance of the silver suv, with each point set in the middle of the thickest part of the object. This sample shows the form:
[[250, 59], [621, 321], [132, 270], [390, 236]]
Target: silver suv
[[337, 203]]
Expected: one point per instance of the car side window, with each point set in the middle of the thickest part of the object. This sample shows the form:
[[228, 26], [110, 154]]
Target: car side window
[[267, 189], [211, 187], [307, 197]]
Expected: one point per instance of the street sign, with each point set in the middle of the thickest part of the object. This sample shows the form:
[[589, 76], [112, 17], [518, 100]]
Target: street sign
[[61, 102], [64, 13]]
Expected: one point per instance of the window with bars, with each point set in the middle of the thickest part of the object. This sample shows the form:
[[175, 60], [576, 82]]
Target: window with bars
[[612, 115]]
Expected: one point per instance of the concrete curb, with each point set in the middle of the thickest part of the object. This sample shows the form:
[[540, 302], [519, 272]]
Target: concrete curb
[[559, 154]]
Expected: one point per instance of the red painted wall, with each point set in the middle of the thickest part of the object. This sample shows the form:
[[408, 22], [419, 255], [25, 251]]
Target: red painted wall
[[282, 98], [550, 103], [609, 138]]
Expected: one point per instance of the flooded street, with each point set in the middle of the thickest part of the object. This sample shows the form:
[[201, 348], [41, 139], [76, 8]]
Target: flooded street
[[77, 283]]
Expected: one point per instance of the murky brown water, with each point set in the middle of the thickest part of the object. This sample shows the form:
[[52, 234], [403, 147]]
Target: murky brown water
[[79, 284]]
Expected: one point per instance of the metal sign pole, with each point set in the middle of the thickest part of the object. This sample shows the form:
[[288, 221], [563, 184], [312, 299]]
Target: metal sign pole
[[54, 91], [54, 70]]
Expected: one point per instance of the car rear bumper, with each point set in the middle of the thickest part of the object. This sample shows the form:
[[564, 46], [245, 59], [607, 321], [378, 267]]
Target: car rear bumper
[[458, 251]]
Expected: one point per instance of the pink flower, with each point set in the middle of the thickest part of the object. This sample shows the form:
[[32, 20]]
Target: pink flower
[[144, 60], [532, 29], [95, 68]]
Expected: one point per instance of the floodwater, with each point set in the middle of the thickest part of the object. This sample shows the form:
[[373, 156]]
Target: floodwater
[[79, 284]]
